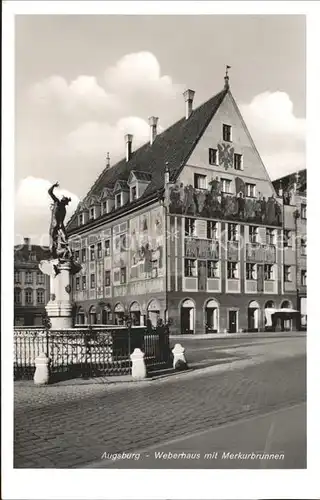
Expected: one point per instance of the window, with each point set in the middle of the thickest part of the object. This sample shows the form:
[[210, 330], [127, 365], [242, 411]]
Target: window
[[226, 185], [92, 281], [251, 271], [133, 193], [237, 161], [78, 283], [253, 234], [29, 277], [104, 207], [28, 295], [91, 213], [268, 272], [304, 278], [107, 248], [189, 227], [84, 282], [270, 236], [40, 279], [250, 190], [287, 274], [303, 246], [83, 255], [232, 270], [303, 211], [77, 255], [80, 219], [287, 238], [33, 257], [118, 200], [232, 232], [213, 269], [226, 132], [213, 156], [123, 275], [92, 252], [107, 278], [99, 250], [40, 296], [17, 296], [190, 267], [17, 277], [200, 181], [212, 230]]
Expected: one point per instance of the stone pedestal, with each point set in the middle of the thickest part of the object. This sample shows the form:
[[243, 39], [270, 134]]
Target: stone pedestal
[[179, 360], [59, 307], [139, 370]]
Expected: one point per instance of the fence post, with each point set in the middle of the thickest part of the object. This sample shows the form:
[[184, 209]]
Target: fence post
[[139, 370], [41, 375], [179, 360]]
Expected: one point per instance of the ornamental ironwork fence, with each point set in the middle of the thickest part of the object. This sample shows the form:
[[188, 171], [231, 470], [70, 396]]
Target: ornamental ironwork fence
[[88, 352]]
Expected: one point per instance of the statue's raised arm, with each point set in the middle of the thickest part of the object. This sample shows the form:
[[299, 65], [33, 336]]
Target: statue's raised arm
[[50, 191]]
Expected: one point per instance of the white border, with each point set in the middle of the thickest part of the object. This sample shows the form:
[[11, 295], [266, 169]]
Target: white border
[[140, 484]]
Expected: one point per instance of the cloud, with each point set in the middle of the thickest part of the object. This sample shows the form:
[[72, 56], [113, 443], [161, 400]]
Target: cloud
[[32, 208], [279, 135], [94, 139]]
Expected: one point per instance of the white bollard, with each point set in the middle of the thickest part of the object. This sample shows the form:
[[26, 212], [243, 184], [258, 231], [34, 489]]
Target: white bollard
[[139, 370], [179, 360], [41, 375]]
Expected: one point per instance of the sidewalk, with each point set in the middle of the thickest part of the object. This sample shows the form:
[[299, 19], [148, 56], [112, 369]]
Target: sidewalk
[[238, 335]]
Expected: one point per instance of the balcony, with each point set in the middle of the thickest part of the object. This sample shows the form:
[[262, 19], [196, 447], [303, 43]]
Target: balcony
[[187, 200], [256, 252], [233, 250], [201, 249]]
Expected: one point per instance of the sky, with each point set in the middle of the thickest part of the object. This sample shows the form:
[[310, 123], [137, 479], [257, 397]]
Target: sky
[[83, 82]]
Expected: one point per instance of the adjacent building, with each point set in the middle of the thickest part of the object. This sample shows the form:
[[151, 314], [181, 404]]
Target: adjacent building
[[187, 228], [31, 286], [293, 189]]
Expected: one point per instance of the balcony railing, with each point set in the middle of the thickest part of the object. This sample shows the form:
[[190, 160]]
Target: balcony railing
[[257, 252]]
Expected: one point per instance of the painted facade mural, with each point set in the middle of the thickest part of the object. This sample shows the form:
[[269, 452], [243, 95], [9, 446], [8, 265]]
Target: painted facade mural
[[201, 249], [226, 152], [214, 203], [260, 253], [146, 258]]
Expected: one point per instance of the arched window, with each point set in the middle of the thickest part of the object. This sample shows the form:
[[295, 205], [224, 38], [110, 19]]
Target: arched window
[[135, 313], [119, 314], [107, 315], [17, 296], [40, 296], [286, 304], [93, 315], [269, 304], [28, 296], [80, 319], [153, 312]]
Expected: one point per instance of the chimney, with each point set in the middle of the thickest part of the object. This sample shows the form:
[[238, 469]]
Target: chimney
[[108, 160], [153, 122], [27, 242], [188, 97], [280, 190], [128, 139]]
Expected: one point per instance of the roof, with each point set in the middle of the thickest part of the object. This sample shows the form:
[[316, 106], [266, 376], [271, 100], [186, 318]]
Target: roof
[[287, 181], [23, 253], [172, 147], [142, 176]]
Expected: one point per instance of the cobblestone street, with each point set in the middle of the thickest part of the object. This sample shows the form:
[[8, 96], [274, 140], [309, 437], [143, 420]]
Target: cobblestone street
[[72, 426]]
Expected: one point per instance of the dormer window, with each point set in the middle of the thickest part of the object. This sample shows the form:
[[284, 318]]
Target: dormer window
[[91, 213], [104, 207], [133, 193], [118, 200], [80, 219]]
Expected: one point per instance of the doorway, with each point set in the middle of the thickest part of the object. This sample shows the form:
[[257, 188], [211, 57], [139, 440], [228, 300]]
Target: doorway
[[233, 321], [187, 317], [253, 316]]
